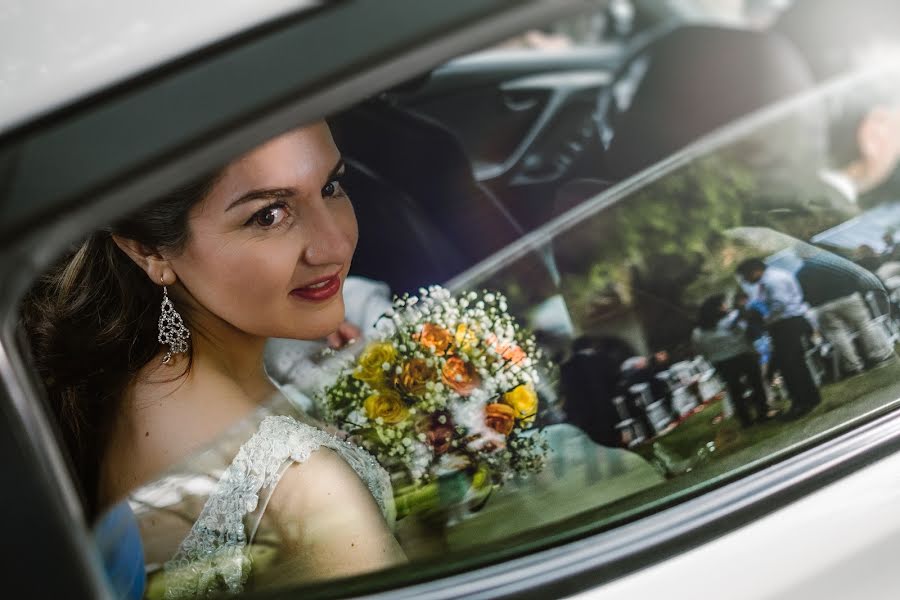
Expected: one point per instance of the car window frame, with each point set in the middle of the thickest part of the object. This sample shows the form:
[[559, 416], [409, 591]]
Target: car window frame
[[562, 569]]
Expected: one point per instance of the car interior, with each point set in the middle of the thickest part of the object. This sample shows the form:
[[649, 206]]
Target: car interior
[[495, 144]]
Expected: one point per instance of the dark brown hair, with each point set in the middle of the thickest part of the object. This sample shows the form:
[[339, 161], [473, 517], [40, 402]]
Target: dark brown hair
[[711, 312], [91, 322]]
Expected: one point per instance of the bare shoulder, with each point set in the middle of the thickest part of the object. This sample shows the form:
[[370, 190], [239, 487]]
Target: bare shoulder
[[319, 483], [168, 413], [329, 523]]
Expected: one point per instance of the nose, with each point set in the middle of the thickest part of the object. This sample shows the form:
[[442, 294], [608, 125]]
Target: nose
[[329, 241]]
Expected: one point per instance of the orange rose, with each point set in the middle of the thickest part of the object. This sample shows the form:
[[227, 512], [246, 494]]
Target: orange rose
[[437, 339], [511, 352], [500, 417], [460, 376], [416, 373]]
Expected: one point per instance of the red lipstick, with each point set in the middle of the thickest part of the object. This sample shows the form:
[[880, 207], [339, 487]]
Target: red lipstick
[[319, 290]]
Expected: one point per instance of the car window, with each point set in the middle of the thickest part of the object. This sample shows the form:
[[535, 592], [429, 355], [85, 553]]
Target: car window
[[650, 297], [579, 295]]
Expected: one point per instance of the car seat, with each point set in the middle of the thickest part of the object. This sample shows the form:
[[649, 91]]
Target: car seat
[[398, 243], [425, 162], [685, 83]]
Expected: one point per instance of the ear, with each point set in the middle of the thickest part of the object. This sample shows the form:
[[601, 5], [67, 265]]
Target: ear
[[149, 259]]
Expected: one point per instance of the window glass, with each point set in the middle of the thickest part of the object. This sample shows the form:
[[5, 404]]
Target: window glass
[[666, 287], [649, 286]]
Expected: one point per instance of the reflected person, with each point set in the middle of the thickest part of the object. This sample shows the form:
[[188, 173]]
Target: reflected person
[[788, 327], [721, 337], [589, 381], [835, 288]]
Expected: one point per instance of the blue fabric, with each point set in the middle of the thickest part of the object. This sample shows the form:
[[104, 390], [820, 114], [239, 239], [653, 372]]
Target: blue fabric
[[759, 306], [118, 539], [763, 346]]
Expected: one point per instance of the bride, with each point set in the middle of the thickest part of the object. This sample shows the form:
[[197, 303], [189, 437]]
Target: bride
[[150, 339]]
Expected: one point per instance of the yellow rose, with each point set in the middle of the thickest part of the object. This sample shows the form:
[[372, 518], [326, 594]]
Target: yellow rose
[[465, 337], [370, 366], [524, 401], [416, 373], [386, 405]]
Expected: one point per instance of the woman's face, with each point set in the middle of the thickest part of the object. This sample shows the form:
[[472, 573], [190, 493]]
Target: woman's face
[[269, 247]]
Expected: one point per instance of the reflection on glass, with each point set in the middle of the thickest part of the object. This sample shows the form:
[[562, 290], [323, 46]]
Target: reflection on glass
[[734, 308], [693, 324]]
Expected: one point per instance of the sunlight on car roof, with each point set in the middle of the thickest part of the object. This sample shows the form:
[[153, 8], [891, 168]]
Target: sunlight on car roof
[[56, 52]]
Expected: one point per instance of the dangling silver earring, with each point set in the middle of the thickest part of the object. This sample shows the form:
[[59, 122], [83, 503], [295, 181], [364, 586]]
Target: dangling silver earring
[[171, 329]]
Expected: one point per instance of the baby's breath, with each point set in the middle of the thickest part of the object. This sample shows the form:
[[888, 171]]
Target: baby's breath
[[425, 420]]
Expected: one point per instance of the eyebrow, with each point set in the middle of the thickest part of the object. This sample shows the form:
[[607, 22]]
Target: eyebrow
[[273, 193]]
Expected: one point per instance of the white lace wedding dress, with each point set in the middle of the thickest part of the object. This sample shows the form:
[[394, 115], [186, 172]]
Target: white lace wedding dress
[[203, 524]]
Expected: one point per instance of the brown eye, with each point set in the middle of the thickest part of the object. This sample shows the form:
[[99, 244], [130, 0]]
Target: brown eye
[[333, 187], [269, 216]]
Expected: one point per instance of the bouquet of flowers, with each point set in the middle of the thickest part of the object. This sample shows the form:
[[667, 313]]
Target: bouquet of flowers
[[447, 386]]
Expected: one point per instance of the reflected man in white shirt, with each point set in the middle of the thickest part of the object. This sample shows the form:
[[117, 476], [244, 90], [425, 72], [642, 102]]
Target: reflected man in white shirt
[[789, 329]]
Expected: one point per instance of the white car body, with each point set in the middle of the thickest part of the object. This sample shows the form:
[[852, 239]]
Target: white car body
[[55, 53], [838, 542]]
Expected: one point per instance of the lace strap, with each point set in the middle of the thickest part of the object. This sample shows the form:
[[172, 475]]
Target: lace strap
[[213, 557]]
